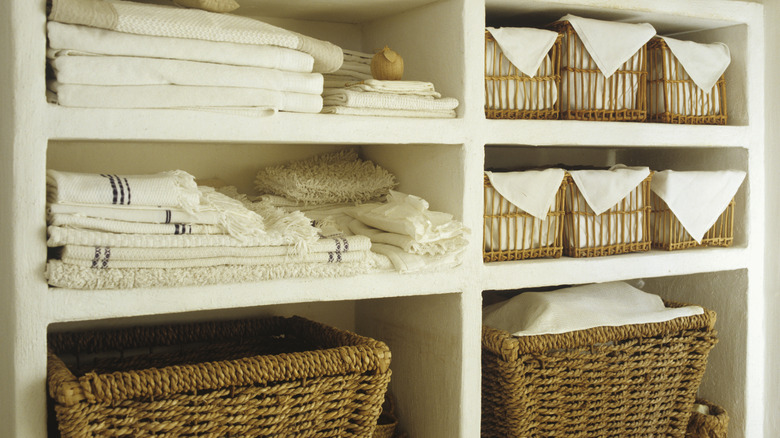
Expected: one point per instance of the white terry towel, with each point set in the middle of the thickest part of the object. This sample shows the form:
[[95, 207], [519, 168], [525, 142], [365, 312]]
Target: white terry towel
[[697, 198], [358, 99], [525, 48], [171, 21], [127, 70], [579, 308], [602, 189], [182, 96], [704, 63], [413, 88], [175, 188], [532, 191], [379, 112], [67, 39], [610, 43]]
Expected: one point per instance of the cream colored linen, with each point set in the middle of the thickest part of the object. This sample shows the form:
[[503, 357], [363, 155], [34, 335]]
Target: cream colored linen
[[378, 112]]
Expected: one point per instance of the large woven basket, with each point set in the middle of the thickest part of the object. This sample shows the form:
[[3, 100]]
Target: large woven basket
[[712, 425], [674, 98], [511, 94], [512, 234], [669, 234], [629, 381], [622, 229], [260, 377], [586, 94]]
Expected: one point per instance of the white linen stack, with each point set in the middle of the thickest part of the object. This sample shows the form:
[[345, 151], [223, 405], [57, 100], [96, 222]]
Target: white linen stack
[[113, 231], [121, 54], [352, 91]]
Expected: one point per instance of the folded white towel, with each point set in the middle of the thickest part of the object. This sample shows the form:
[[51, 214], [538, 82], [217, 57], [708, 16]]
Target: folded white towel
[[353, 66], [170, 21], [610, 43], [125, 227], [405, 262], [357, 99], [526, 48], [413, 88], [130, 213], [182, 96], [697, 198], [602, 189], [357, 56], [580, 308], [378, 112], [345, 76], [704, 63], [66, 39], [126, 70], [406, 243], [532, 191]]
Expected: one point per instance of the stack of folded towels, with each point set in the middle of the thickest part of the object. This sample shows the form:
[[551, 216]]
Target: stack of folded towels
[[122, 54], [111, 231], [352, 91], [355, 197]]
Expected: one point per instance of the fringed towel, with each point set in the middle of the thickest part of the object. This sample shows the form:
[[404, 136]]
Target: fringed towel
[[150, 215], [125, 227], [406, 243]]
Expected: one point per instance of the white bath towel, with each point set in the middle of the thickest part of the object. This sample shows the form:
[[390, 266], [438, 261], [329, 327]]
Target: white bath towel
[[168, 189], [170, 21], [697, 198], [580, 308], [77, 277], [181, 96], [125, 227], [610, 43], [406, 243], [532, 191], [127, 70], [357, 99], [412, 88], [405, 262], [704, 63], [151, 215], [378, 112], [602, 189], [69, 39], [526, 48]]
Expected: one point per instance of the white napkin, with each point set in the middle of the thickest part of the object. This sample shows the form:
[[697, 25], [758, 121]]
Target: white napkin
[[524, 47], [609, 43], [579, 308], [602, 189], [704, 63], [697, 198], [532, 191]]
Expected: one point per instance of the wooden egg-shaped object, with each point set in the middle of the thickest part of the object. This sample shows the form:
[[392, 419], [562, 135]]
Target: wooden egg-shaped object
[[387, 65]]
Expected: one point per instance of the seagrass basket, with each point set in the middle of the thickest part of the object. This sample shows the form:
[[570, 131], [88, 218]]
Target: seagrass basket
[[511, 94], [712, 425], [586, 94], [622, 229], [259, 377], [512, 234], [629, 381], [674, 98], [669, 234]]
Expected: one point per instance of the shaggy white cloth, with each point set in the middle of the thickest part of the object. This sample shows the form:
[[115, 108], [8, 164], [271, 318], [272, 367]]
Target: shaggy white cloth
[[358, 99], [337, 177], [125, 227], [170, 21], [60, 274], [378, 112], [412, 88], [580, 308], [406, 243], [149, 215], [525, 48], [68, 39], [127, 70]]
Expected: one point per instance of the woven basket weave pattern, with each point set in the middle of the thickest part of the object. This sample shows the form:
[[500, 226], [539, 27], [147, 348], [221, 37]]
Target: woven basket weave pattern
[[714, 425], [669, 234]]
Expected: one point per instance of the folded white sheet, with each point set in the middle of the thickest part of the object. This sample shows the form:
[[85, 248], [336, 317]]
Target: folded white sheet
[[526, 48], [181, 96], [602, 189], [379, 112], [67, 39], [579, 308], [126, 70], [359, 99], [129, 213], [697, 198], [413, 88], [170, 21], [532, 191], [125, 227], [406, 243], [704, 63], [405, 262]]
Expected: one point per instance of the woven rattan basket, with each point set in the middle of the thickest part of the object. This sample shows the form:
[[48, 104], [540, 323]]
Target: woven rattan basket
[[586, 94], [512, 234], [260, 377], [630, 381], [669, 234], [674, 98], [511, 94], [714, 425], [622, 229]]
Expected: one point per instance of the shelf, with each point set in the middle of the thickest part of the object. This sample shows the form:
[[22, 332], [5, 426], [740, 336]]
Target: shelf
[[553, 272], [339, 11]]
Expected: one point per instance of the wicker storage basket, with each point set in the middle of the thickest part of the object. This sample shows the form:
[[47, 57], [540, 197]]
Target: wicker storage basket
[[586, 94], [622, 229], [260, 377], [630, 381], [512, 234], [674, 98], [669, 234], [511, 94], [714, 425]]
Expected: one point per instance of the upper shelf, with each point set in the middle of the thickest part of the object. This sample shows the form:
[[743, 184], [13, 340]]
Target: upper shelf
[[337, 11]]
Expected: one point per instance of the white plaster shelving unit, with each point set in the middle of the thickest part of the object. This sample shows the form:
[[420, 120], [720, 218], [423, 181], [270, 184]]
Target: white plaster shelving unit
[[431, 321]]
